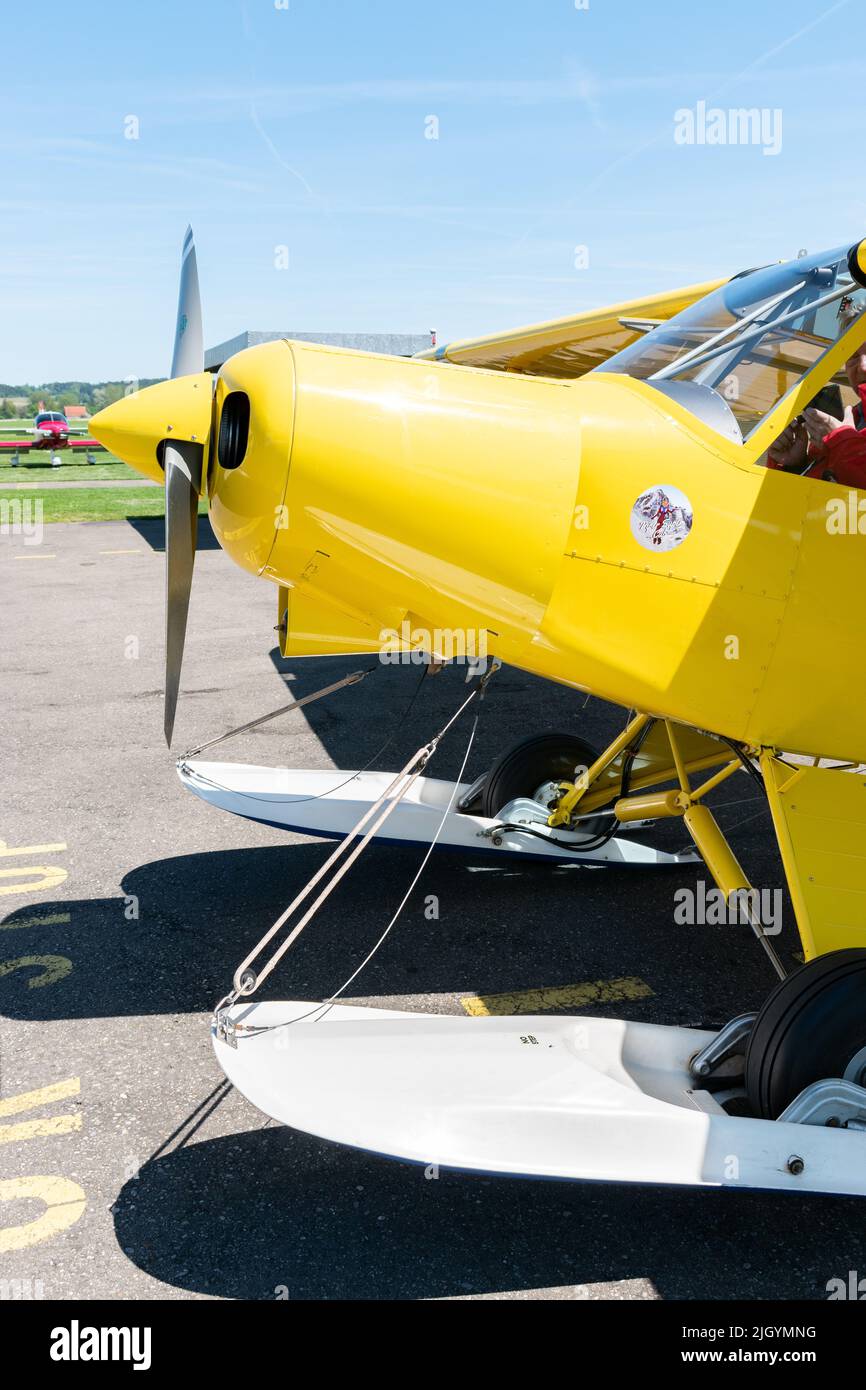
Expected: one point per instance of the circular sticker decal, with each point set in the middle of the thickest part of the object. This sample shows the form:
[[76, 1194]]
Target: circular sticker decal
[[661, 518]]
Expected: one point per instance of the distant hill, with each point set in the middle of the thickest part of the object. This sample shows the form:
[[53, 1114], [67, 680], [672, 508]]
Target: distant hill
[[85, 389], [24, 400]]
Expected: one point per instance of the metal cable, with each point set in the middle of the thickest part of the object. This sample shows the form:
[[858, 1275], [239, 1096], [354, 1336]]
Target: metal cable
[[252, 1030], [302, 800], [352, 679]]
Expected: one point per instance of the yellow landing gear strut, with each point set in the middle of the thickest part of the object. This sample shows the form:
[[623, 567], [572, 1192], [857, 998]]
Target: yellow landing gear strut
[[675, 754]]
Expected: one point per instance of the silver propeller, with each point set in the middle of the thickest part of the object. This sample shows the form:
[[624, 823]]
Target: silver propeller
[[182, 462], [188, 354]]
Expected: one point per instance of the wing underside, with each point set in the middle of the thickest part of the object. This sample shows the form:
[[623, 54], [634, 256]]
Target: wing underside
[[572, 346]]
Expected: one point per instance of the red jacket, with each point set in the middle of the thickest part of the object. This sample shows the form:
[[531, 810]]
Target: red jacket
[[842, 453]]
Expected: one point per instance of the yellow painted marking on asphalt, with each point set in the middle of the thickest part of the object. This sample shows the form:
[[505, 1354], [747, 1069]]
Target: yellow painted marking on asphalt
[[538, 1001], [6, 850], [51, 919], [53, 968], [50, 876], [34, 557], [45, 1095], [64, 1203], [45, 1128], [120, 552]]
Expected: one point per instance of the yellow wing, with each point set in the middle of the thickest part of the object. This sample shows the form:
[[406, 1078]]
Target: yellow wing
[[570, 346]]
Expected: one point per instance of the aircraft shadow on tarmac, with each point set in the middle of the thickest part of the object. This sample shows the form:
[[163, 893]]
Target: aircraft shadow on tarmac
[[398, 704], [199, 914], [152, 530], [270, 1209], [273, 1213]]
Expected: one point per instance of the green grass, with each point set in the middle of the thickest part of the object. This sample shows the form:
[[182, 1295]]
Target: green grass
[[32, 473], [95, 504], [36, 468], [80, 503]]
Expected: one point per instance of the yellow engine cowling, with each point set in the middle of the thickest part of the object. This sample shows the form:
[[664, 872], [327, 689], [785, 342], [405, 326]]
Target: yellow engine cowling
[[402, 489], [459, 500]]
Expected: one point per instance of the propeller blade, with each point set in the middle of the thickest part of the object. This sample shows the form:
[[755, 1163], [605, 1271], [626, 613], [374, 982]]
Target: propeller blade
[[188, 355], [183, 471]]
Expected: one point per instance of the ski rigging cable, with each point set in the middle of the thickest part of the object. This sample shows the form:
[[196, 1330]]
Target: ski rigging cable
[[246, 981]]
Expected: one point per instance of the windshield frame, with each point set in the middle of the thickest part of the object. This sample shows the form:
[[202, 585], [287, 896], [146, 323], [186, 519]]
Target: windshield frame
[[743, 335]]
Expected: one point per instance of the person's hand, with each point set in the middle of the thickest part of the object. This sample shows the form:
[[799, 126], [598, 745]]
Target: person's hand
[[819, 424], [789, 450]]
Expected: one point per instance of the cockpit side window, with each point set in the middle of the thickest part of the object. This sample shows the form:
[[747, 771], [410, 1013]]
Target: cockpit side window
[[733, 356]]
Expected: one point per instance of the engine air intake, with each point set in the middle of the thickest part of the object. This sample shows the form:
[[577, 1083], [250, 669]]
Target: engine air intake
[[234, 430]]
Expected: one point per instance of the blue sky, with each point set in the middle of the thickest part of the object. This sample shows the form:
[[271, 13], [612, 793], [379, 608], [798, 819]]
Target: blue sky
[[304, 127]]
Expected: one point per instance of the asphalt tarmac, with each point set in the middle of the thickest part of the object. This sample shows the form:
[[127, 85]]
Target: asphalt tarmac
[[127, 1169]]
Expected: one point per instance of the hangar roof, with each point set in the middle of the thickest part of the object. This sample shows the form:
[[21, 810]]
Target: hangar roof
[[396, 344]]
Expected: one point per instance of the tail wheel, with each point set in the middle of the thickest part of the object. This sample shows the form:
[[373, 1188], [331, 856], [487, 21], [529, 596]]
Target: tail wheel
[[812, 1027], [533, 767]]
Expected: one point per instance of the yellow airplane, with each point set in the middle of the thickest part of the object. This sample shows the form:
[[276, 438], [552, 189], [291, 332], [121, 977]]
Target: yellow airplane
[[590, 499]]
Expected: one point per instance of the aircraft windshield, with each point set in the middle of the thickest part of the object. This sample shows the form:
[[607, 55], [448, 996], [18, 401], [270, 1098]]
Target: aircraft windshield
[[749, 343]]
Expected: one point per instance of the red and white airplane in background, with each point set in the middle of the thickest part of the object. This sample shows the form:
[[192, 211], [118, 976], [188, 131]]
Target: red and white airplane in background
[[51, 433]]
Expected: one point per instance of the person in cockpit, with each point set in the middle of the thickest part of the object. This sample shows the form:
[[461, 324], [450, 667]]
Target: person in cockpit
[[818, 445]]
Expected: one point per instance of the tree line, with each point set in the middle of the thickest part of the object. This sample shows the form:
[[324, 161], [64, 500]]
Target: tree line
[[22, 402]]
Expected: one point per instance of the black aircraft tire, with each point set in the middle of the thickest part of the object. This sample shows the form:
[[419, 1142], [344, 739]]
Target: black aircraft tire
[[809, 1029], [552, 757]]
